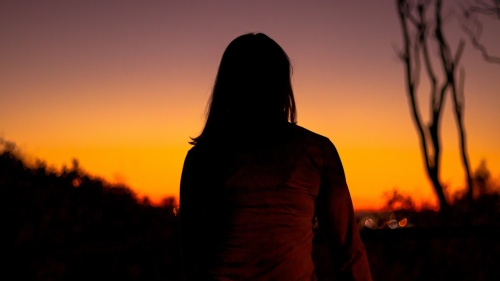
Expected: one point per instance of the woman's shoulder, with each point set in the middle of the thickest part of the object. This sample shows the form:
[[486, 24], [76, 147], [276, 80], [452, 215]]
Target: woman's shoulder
[[269, 138], [309, 136]]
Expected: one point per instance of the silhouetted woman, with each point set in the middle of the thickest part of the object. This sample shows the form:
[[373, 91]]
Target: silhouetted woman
[[254, 181]]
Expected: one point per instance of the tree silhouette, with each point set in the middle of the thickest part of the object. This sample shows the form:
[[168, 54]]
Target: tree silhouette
[[419, 32]]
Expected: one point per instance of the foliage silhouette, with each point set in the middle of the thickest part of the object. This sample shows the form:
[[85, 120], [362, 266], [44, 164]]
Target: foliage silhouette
[[53, 230], [71, 226]]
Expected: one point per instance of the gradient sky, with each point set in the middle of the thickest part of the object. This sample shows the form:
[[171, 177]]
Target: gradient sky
[[122, 85]]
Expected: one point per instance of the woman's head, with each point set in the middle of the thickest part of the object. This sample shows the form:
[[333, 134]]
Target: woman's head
[[252, 87]]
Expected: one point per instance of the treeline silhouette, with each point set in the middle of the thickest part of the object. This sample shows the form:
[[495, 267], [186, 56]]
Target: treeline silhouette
[[461, 244], [69, 225]]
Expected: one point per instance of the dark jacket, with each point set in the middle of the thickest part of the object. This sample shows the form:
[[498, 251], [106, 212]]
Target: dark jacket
[[248, 206]]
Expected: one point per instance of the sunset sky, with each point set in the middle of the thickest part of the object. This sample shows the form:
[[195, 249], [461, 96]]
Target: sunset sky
[[122, 85]]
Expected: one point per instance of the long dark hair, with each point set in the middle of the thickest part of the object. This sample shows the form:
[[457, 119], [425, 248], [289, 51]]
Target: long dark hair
[[252, 89]]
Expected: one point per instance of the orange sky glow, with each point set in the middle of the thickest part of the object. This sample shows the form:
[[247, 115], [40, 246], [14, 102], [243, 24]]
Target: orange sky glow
[[122, 86]]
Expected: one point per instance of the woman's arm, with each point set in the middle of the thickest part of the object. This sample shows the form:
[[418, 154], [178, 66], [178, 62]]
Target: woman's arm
[[190, 220], [336, 221]]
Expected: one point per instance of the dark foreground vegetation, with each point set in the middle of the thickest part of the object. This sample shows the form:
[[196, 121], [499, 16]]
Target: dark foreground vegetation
[[71, 226], [68, 225]]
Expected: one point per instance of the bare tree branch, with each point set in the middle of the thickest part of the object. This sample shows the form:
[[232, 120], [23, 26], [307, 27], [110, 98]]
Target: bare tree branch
[[413, 51], [422, 24], [449, 67], [473, 27]]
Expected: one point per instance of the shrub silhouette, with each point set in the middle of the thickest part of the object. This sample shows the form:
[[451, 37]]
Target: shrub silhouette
[[71, 226]]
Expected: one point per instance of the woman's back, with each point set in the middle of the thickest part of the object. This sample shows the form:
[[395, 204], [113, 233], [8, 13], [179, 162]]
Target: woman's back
[[247, 209]]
